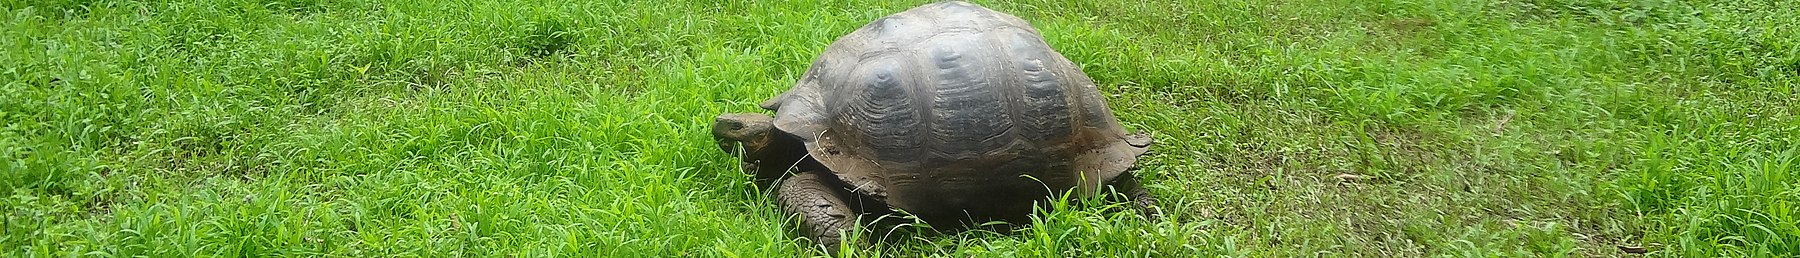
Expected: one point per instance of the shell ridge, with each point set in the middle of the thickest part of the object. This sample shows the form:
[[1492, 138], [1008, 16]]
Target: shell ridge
[[884, 101], [1047, 106], [973, 112], [998, 66]]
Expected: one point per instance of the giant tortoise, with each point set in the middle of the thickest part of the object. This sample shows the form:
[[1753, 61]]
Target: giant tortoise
[[950, 112]]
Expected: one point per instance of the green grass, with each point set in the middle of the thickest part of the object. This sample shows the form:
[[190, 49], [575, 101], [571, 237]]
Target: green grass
[[375, 128]]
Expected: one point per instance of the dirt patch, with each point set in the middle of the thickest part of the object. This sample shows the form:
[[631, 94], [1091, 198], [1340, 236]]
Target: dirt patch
[[1400, 34]]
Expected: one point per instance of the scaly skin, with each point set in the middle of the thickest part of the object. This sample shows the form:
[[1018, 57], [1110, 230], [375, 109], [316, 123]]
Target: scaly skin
[[825, 212]]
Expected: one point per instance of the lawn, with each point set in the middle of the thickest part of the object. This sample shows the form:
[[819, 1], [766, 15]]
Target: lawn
[[1384, 128]]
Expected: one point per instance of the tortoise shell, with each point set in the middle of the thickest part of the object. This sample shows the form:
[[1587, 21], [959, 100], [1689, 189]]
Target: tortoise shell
[[953, 110]]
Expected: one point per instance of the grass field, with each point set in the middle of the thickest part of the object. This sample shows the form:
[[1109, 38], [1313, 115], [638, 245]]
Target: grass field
[[378, 128]]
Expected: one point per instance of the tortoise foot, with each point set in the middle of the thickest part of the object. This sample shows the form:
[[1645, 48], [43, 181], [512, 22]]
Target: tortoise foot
[[823, 211]]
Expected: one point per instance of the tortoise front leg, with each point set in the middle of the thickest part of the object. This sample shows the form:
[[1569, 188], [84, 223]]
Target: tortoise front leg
[[824, 211], [1139, 197]]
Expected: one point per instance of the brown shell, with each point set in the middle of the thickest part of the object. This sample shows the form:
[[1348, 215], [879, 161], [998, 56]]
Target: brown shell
[[950, 108]]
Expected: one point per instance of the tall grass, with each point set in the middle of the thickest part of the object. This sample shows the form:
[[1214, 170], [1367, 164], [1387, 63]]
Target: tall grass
[[528, 128]]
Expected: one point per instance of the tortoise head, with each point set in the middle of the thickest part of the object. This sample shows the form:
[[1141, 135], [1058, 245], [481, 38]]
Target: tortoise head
[[748, 131]]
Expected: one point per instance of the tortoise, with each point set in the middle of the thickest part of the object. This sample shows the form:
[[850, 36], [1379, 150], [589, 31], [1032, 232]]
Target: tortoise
[[951, 112]]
